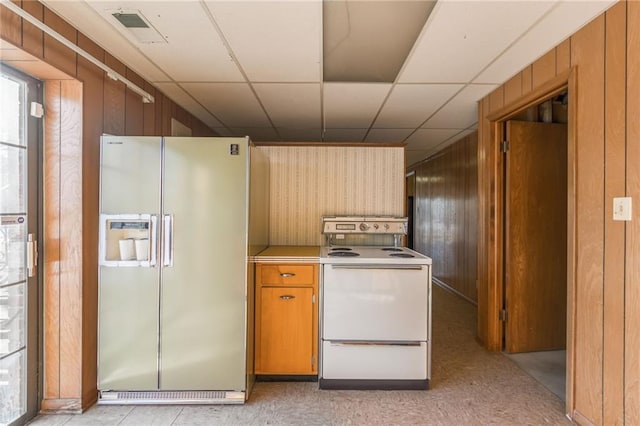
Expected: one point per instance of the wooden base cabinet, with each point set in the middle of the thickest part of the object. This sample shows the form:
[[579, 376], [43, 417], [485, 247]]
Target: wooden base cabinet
[[286, 319]]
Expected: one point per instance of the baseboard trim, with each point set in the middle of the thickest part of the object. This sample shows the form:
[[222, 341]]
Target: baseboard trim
[[581, 419], [61, 406], [447, 287]]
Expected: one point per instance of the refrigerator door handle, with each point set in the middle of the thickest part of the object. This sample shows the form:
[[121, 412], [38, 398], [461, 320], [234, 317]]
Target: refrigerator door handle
[[153, 235], [168, 240]]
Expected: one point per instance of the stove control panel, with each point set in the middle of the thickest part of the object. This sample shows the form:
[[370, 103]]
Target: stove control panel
[[364, 225]]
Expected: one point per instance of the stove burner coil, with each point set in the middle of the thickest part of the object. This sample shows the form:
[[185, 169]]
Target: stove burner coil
[[342, 254], [340, 249], [391, 249], [406, 255]]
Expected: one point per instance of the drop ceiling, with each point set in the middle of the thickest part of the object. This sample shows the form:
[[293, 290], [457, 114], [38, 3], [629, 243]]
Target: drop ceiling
[[256, 67]]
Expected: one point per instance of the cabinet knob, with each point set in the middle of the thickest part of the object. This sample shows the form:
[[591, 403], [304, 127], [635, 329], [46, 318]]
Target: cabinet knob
[[287, 274], [287, 297]]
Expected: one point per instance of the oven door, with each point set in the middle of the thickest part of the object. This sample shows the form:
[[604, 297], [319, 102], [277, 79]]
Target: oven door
[[375, 302]]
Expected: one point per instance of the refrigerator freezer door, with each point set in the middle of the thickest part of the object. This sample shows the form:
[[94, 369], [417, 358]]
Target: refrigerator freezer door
[[130, 175], [203, 316], [128, 297]]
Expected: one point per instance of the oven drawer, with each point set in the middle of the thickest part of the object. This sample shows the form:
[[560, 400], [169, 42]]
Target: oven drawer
[[359, 361], [282, 274]]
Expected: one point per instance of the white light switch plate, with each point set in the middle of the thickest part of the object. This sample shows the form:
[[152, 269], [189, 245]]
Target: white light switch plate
[[622, 208]]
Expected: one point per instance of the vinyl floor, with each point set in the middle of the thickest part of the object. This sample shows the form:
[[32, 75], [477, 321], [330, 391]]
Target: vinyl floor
[[470, 386]]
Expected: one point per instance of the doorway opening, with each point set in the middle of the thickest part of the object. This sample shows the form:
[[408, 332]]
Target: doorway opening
[[535, 203]]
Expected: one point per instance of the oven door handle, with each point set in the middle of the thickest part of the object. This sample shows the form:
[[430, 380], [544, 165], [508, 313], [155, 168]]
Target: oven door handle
[[395, 267], [374, 343]]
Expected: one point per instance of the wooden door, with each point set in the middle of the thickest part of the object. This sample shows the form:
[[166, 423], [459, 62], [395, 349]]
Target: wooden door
[[286, 330], [535, 236]]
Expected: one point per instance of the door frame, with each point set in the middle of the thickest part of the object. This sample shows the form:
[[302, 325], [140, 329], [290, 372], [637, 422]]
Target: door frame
[[494, 201], [33, 130]]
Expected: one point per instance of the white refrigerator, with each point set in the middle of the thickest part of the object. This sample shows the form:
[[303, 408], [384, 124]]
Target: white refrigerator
[[179, 217]]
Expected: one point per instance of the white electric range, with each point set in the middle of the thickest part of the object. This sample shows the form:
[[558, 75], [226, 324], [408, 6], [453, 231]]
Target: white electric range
[[375, 307]]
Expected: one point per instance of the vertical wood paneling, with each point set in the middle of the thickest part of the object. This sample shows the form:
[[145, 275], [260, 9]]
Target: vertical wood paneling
[[166, 116], [563, 56], [544, 68], [158, 113], [496, 99], [51, 256], [32, 37], [587, 50], [471, 216], [527, 80], [55, 53], [484, 168], [10, 25], [513, 88], [446, 195], [93, 101], [114, 99], [149, 113], [615, 72], [134, 114], [603, 376], [71, 228], [632, 266]]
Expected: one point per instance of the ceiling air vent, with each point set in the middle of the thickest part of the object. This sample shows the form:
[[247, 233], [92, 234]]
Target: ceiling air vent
[[133, 23], [130, 20]]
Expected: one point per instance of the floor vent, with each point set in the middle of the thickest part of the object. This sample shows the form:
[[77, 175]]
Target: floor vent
[[171, 397]]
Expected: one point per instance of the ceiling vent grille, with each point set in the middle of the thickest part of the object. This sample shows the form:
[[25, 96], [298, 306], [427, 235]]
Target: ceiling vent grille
[[130, 20], [135, 26]]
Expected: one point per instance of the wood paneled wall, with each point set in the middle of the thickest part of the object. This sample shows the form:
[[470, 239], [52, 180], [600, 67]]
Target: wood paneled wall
[[78, 110], [307, 182], [604, 160], [446, 191]]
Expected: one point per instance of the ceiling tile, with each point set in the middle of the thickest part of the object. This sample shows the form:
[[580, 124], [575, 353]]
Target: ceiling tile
[[462, 37], [370, 40], [462, 111], [413, 156], [196, 38], [565, 19], [424, 139], [257, 134], [184, 99], [233, 103], [223, 131], [291, 105], [273, 41], [388, 135], [409, 105], [300, 135], [352, 105], [344, 135]]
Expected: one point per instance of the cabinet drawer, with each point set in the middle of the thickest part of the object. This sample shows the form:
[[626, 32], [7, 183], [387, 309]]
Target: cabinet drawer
[[287, 274]]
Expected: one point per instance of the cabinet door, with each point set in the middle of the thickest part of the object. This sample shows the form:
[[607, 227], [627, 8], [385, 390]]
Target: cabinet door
[[286, 323]]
